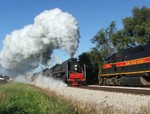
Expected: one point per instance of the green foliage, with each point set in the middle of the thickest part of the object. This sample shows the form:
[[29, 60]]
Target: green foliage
[[17, 98], [104, 45], [103, 38], [92, 60], [136, 29], [120, 41]]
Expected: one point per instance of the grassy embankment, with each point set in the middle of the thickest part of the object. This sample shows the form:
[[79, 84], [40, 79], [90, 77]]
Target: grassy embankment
[[18, 98]]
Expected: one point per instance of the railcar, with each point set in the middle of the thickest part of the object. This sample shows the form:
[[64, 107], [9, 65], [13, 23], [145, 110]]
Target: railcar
[[127, 67], [69, 71]]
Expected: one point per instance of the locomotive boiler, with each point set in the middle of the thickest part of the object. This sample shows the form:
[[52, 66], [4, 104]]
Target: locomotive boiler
[[127, 67], [69, 71]]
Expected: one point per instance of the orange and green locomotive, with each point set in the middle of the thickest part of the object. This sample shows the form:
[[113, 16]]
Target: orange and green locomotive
[[127, 67]]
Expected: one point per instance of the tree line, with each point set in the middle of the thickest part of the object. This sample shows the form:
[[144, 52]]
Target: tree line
[[135, 31]]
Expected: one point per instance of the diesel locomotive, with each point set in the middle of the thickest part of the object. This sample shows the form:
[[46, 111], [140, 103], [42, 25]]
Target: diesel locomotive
[[127, 67], [69, 71]]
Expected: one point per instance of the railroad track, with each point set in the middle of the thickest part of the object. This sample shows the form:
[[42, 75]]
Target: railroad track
[[127, 90]]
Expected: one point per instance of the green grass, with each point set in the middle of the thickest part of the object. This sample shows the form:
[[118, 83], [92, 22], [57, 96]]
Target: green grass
[[18, 98]]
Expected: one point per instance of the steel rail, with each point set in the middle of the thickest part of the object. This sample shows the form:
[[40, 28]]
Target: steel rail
[[118, 90]]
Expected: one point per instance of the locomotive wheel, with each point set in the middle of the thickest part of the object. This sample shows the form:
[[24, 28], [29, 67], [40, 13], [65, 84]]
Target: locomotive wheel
[[100, 81], [117, 82], [108, 81], [113, 81], [105, 81], [70, 84]]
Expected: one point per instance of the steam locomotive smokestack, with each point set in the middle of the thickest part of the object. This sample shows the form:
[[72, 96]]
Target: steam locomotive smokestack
[[53, 29]]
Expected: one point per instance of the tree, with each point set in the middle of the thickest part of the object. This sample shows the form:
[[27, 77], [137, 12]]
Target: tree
[[120, 41], [136, 29], [93, 61], [103, 41]]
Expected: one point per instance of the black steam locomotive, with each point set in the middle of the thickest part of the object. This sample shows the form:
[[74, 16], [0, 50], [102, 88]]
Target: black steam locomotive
[[69, 71], [127, 67]]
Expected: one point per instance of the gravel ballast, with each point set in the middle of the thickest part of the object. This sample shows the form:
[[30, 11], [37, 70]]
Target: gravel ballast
[[119, 102]]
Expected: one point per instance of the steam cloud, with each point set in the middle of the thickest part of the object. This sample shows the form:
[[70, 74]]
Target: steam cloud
[[53, 29], [48, 82], [41, 81]]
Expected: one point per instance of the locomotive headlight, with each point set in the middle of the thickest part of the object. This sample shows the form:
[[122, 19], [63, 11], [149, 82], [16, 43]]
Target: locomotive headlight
[[75, 67]]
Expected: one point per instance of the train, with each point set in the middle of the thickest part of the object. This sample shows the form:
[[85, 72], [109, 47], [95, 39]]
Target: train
[[70, 71], [129, 66], [4, 78]]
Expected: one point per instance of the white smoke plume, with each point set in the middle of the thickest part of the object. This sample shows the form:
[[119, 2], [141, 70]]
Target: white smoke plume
[[21, 79], [24, 49], [40, 81], [48, 82], [55, 60]]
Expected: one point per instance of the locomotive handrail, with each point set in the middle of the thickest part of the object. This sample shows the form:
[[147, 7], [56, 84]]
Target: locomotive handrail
[[84, 72], [58, 72]]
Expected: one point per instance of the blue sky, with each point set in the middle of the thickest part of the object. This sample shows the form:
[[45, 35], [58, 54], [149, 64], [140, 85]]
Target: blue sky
[[92, 15]]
